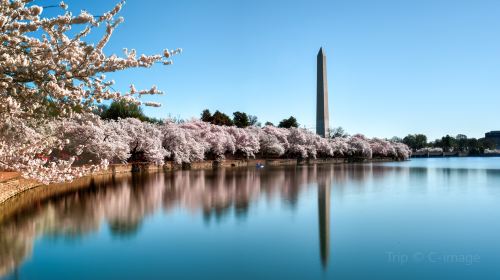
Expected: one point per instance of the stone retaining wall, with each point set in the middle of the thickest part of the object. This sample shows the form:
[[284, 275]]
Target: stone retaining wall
[[11, 183]]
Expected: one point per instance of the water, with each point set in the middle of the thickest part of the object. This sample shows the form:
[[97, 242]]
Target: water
[[421, 219]]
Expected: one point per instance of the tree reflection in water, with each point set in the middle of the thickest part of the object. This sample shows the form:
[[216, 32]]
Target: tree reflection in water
[[123, 202]]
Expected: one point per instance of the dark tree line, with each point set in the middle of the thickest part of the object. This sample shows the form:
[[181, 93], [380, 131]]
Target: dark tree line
[[123, 109], [290, 122], [459, 143], [241, 119]]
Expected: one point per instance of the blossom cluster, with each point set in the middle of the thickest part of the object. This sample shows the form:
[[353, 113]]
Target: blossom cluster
[[60, 65], [89, 141], [430, 150], [132, 140], [51, 69]]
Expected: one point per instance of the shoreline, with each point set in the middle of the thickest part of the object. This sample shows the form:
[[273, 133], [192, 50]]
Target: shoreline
[[14, 188], [450, 155]]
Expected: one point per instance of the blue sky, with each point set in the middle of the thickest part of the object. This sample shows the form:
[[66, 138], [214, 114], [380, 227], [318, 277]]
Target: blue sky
[[394, 66]]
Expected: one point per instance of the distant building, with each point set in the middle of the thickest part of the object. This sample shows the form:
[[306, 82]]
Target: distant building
[[493, 136]]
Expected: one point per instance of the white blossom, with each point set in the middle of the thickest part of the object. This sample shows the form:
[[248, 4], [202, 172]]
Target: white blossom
[[51, 71]]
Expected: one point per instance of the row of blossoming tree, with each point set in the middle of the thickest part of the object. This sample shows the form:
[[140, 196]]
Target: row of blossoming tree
[[126, 140], [52, 77]]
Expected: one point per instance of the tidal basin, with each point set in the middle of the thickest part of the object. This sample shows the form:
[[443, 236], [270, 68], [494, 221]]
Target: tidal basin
[[418, 219]]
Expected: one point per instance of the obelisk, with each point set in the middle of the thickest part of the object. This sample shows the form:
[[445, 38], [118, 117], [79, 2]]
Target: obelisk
[[322, 96]]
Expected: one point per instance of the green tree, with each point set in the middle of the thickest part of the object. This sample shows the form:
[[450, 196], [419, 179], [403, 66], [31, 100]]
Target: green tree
[[486, 144], [290, 122], [219, 118], [241, 119], [206, 116], [337, 132], [123, 109], [474, 146], [448, 143], [410, 141], [420, 141], [462, 143], [415, 141], [436, 143], [253, 120], [269, 123]]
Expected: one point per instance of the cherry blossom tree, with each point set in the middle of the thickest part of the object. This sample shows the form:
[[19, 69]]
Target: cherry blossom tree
[[300, 143], [430, 150], [245, 140], [144, 141], [324, 147], [215, 138], [273, 140], [50, 71], [57, 68], [340, 146], [382, 148], [358, 146], [27, 146], [269, 143], [182, 143], [402, 150], [92, 140]]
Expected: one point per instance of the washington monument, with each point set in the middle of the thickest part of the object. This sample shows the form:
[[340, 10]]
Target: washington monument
[[322, 116]]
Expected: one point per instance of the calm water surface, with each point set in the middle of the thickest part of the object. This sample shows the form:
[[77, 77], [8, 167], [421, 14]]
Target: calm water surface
[[421, 219]]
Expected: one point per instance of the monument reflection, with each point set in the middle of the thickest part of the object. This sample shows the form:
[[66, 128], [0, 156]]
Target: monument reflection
[[122, 202]]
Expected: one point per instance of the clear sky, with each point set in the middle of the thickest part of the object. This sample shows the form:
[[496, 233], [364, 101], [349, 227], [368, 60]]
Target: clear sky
[[394, 66]]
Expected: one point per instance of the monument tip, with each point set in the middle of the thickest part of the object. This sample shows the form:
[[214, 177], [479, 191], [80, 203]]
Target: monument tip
[[320, 50]]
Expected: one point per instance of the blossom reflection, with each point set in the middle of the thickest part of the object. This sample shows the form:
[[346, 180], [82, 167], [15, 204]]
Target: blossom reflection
[[123, 202]]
